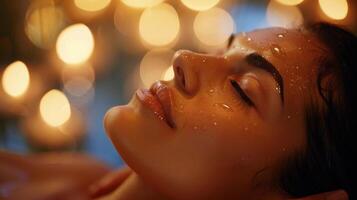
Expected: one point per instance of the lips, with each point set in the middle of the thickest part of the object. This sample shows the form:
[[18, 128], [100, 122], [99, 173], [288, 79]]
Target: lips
[[159, 99]]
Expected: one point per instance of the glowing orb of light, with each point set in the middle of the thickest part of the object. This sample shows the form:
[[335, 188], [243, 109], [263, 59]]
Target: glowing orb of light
[[16, 79], [213, 27], [169, 74], [200, 5], [290, 2], [141, 3], [75, 44], [154, 64], [43, 24], [284, 16], [159, 25], [55, 109], [92, 5], [78, 86], [335, 9]]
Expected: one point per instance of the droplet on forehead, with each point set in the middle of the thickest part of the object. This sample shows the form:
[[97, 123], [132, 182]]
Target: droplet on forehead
[[277, 50], [280, 35]]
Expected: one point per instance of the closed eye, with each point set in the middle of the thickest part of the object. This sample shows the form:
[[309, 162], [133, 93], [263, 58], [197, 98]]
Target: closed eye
[[241, 93]]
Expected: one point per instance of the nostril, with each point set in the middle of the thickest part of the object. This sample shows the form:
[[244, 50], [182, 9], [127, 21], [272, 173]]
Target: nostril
[[181, 76]]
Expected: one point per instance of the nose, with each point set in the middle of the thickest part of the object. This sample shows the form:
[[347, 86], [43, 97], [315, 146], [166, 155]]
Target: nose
[[191, 69]]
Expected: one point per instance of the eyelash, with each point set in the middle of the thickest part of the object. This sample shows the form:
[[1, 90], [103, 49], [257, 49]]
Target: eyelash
[[241, 93]]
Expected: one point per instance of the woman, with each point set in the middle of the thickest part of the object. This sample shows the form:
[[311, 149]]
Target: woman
[[270, 118]]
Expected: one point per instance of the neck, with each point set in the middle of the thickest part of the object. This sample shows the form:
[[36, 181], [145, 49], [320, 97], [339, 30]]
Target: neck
[[134, 188]]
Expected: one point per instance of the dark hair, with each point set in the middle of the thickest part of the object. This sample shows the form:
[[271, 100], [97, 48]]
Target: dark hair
[[328, 161]]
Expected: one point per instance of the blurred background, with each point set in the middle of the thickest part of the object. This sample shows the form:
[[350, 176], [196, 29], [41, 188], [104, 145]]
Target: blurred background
[[64, 63]]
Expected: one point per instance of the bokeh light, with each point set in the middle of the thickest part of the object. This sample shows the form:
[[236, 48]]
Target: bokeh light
[[75, 44], [213, 27], [169, 74], [141, 3], [55, 109], [16, 79], [159, 25], [78, 86], [92, 5], [335, 9], [43, 23], [290, 2], [200, 5], [284, 16], [154, 64]]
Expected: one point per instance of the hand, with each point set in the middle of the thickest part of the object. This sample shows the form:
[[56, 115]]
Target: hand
[[110, 182], [48, 176]]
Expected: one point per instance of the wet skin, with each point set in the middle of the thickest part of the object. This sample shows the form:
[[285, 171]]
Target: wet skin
[[237, 115]]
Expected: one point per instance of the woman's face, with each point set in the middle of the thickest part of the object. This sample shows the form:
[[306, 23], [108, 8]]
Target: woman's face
[[225, 122]]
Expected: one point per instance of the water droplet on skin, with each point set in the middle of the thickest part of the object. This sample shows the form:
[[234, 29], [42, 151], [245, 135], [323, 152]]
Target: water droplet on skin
[[195, 128], [289, 117], [297, 67], [246, 129], [277, 51], [249, 39], [280, 35], [204, 60], [224, 106], [210, 92], [215, 123]]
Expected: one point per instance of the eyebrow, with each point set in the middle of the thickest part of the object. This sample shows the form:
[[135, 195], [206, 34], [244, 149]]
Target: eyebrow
[[230, 40], [259, 61]]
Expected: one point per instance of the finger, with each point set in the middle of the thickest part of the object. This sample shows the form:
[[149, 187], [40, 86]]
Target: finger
[[110, 182]]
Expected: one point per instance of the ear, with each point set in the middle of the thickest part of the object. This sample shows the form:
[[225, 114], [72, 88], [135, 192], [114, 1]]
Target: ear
[[334, 195]]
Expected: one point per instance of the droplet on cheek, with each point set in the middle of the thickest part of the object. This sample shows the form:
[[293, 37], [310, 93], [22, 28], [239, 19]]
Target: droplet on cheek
[[224, 106], [280, 35], [211, 92]]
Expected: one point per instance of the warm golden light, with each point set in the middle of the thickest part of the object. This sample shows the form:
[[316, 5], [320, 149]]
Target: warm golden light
[[78, 86], [55, 109], [169, 74], [75, 44], [154, 64], [159, 25], [284, 16], [335, 9], [290, 2], [200, 5], [16, 79], [43, 23], [92, 5], [141, 3], [213, 27]]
